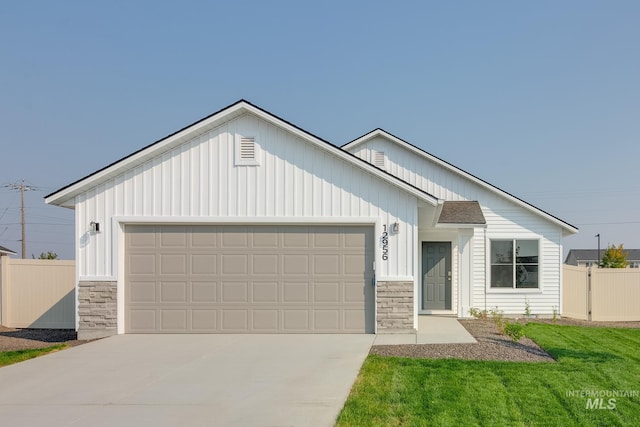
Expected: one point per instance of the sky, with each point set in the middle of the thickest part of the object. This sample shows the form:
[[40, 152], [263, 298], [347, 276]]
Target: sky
[[541, 99]]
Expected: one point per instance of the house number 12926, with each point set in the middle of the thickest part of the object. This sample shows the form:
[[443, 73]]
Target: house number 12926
[[385, 243]]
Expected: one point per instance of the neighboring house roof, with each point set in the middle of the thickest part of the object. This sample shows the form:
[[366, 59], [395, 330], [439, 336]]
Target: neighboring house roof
[[461, 213], [65, 196], [586, 255], [5, 251], [568, 228]]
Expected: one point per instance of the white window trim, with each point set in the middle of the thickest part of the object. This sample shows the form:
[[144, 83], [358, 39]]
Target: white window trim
[[239, 161], [513, 290]]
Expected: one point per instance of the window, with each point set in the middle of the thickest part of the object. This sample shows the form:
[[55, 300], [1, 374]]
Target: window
[[246, 151], [514, 264]]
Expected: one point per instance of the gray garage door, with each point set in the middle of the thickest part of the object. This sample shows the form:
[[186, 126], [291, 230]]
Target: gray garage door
[[249, 279]]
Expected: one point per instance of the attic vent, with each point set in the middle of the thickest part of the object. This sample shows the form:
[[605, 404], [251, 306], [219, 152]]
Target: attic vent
[[378, 159], [247, 148], [247, 151]]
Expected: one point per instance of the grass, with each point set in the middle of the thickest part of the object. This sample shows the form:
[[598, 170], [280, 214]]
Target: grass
[[11, 357], [391, 391]]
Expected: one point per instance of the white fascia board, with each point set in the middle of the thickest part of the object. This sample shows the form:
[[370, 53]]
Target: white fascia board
[[567, 228]]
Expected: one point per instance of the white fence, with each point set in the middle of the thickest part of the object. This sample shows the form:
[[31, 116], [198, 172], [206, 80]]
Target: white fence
[[37, 293]]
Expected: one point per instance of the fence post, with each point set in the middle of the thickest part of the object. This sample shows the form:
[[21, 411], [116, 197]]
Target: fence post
[[589, 278], [4, 283]]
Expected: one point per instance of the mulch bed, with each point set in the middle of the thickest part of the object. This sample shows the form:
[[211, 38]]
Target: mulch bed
[[22, 339], [491, 345]]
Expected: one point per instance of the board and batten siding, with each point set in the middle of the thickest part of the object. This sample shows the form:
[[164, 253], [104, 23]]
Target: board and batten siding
[[198, 180], [505, 219]]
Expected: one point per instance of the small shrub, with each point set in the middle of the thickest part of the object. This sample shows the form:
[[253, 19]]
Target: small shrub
[[498, 318], [555, 314], [515, 331], [478, 314], [527, 308]]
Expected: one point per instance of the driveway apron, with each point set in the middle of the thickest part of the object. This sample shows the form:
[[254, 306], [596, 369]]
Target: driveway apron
[[186, 380]]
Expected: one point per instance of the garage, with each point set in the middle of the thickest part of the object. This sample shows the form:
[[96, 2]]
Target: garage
[[249, 279]]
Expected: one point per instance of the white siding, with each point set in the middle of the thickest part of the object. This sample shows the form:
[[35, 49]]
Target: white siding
[[198, 180], [505, 219]]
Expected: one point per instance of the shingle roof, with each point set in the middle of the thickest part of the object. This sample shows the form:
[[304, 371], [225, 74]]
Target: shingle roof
[[461, 213], [4, 250]]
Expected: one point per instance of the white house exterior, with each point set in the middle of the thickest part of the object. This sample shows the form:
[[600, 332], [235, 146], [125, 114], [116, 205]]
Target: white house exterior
[[243, 222]]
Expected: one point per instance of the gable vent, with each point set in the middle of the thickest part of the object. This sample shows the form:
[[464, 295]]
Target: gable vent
[[247, 151], [247, 148], [378, 159]]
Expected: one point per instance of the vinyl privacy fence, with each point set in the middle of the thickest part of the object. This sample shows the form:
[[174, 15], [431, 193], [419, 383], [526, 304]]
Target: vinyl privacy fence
[[37, 293], [601, 294]]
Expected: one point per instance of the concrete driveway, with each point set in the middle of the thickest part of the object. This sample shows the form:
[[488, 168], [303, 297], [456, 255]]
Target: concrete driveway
[[186, 380]]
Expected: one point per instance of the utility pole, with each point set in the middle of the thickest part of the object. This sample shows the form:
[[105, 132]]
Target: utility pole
[[22, 187]]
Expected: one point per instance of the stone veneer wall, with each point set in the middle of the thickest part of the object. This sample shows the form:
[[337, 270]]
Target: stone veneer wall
[[395, 307], [97, 310]]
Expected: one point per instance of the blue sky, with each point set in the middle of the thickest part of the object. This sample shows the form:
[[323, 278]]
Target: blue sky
[[541, 99]]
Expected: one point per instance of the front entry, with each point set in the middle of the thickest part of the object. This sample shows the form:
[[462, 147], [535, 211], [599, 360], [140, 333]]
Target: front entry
[[436, 275]]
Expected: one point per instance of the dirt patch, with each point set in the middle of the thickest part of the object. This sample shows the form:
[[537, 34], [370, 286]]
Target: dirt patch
[[491, 345], [22, 339]]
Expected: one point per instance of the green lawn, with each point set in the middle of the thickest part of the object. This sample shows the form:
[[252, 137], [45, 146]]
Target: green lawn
[[11, 357], [394, 391]]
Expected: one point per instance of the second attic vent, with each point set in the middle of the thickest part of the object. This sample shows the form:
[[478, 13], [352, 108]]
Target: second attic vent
[[378, 159]]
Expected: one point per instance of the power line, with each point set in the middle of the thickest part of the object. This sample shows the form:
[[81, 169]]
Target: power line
[[22, 187]]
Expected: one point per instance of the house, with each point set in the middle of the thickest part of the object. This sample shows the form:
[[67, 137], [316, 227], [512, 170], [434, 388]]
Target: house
[[590, 257], [6, 252], [244, 222]]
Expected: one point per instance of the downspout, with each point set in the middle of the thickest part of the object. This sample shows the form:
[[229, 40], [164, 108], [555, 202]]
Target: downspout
[[485, 269]]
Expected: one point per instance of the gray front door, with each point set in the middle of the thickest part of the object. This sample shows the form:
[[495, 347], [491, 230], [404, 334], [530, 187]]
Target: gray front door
[[436, 275]]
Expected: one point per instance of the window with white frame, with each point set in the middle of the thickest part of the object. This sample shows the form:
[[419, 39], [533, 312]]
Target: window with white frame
[[514, 264]]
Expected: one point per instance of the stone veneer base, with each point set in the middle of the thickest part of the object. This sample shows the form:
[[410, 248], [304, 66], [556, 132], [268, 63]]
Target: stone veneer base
[[395, 308], [97, 309]]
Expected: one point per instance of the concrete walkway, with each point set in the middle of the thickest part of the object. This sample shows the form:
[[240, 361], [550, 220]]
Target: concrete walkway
[[186, 380], [431, 330]]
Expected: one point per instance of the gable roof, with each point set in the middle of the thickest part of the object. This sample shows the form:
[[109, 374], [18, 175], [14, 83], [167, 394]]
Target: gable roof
[[461, 213], [592, 254], [568, 228], [5, 251], [65, 196]]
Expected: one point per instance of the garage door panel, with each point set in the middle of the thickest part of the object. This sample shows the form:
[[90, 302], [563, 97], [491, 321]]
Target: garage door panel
[[265, 320], [173, 264], [265, 264], [327, 264], [202, 292], [326, 320], [296, 320], [265, 292], [205, 320], [143, 292], [235, 264], [235, 279], [144, 264], [295, 292], [234, 292], [173, 320], [235, 320], [173, 292], [326, 292], [294, 264], [204, 264], [173, 236]]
